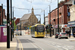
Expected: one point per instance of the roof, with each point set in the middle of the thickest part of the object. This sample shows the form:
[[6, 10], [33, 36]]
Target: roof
[[25, 16], [36, 25], [69, 2], [18, 24], [25, 22]]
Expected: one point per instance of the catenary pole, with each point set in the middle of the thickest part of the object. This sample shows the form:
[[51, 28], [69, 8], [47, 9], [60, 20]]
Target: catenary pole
[[50, 19], [13, 22], [58, 14], [8, 34], [2, 14], [11, 17]]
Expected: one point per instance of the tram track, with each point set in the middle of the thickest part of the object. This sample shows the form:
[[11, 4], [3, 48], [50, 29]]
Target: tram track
[[36, 46], [40, 44], [55, 45], [49, 45]]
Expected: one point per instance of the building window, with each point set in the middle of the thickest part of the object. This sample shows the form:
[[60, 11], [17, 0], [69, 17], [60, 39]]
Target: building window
[[74, 2], [0, 13], [68, 13]]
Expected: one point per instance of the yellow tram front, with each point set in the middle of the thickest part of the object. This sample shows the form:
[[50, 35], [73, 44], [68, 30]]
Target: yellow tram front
[[38, 30]]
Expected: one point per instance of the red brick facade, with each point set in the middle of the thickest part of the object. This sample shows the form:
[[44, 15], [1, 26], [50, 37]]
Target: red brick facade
[[63, 19], [17, 21], [4, 17]]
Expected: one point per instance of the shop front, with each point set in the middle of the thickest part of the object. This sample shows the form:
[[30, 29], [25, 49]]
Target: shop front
[[56, 28], [72, 29], [62, 28], [71, 24]]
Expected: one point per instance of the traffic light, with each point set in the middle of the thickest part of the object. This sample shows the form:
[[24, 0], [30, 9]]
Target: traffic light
[[50, 26], [46, 27]]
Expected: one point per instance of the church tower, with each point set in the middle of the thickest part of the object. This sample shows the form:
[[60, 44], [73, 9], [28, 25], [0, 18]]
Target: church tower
[[32, 11]]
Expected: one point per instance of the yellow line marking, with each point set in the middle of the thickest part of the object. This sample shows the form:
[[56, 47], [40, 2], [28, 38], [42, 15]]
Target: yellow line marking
[[20, 44]]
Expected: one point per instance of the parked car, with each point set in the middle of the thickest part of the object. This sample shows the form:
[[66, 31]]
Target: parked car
[[63, 35], [56, 35]]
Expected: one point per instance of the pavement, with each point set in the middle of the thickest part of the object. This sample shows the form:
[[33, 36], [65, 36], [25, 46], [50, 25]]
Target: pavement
[[13, 45]]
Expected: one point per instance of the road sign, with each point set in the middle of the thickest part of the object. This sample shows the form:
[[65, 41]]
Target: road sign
[[10, 22], [28, 27]]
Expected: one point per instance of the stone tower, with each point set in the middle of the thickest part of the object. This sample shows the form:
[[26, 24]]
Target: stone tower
[[32, 11]]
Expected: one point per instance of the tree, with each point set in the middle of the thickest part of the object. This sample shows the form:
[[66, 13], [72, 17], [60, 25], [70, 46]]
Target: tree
[[29, 27], [14, 25]]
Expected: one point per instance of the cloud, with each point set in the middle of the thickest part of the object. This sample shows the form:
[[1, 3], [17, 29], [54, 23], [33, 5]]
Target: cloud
[[3, 2], [18, 3], [36, 4]]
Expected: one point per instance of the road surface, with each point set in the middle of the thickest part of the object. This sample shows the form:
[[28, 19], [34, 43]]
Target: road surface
[[29, 43]]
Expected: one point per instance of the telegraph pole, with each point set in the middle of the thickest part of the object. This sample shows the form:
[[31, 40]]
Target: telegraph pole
[[50, 19], [8, 34], [20, 27], [2, 14], [11, 17], [44, 17], [58, 14], [40, 19], [13, 22]]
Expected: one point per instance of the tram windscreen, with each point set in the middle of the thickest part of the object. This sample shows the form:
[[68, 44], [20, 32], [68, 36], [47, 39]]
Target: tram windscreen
[[40, 28]]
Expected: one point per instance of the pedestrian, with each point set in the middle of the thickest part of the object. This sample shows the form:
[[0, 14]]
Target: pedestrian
[[69, 33]]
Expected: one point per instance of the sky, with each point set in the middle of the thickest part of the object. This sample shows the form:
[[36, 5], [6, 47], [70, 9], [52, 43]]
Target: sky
[[21, 7]]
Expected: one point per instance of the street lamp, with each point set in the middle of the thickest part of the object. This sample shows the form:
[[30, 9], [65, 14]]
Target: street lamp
[[20, 27], [8, 34], [11, 17], [44, 16], [13, 22], [50, 16]]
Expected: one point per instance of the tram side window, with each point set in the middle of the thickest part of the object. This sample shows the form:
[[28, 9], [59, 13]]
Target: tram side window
[[35, 28], [47, 27], [73, 29]]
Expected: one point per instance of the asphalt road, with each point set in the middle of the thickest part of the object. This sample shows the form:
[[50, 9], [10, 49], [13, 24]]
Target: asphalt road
[[29, 43]]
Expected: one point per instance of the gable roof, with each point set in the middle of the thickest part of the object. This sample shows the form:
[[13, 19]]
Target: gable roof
[[18, 24], [25, 16]]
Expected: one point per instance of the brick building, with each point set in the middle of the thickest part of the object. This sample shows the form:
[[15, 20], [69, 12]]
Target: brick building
[[17, 21], [4, 17], [64, 16]]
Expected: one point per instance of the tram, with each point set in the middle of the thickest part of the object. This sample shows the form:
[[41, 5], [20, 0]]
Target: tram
[[38, 30]]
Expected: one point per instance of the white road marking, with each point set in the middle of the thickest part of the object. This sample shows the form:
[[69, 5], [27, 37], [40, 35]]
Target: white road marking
[[48, 44], [36, 46], [58, 44], [20, 44]]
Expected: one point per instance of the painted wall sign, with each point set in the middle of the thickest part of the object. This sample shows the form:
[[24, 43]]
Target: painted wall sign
[[5, 31]]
